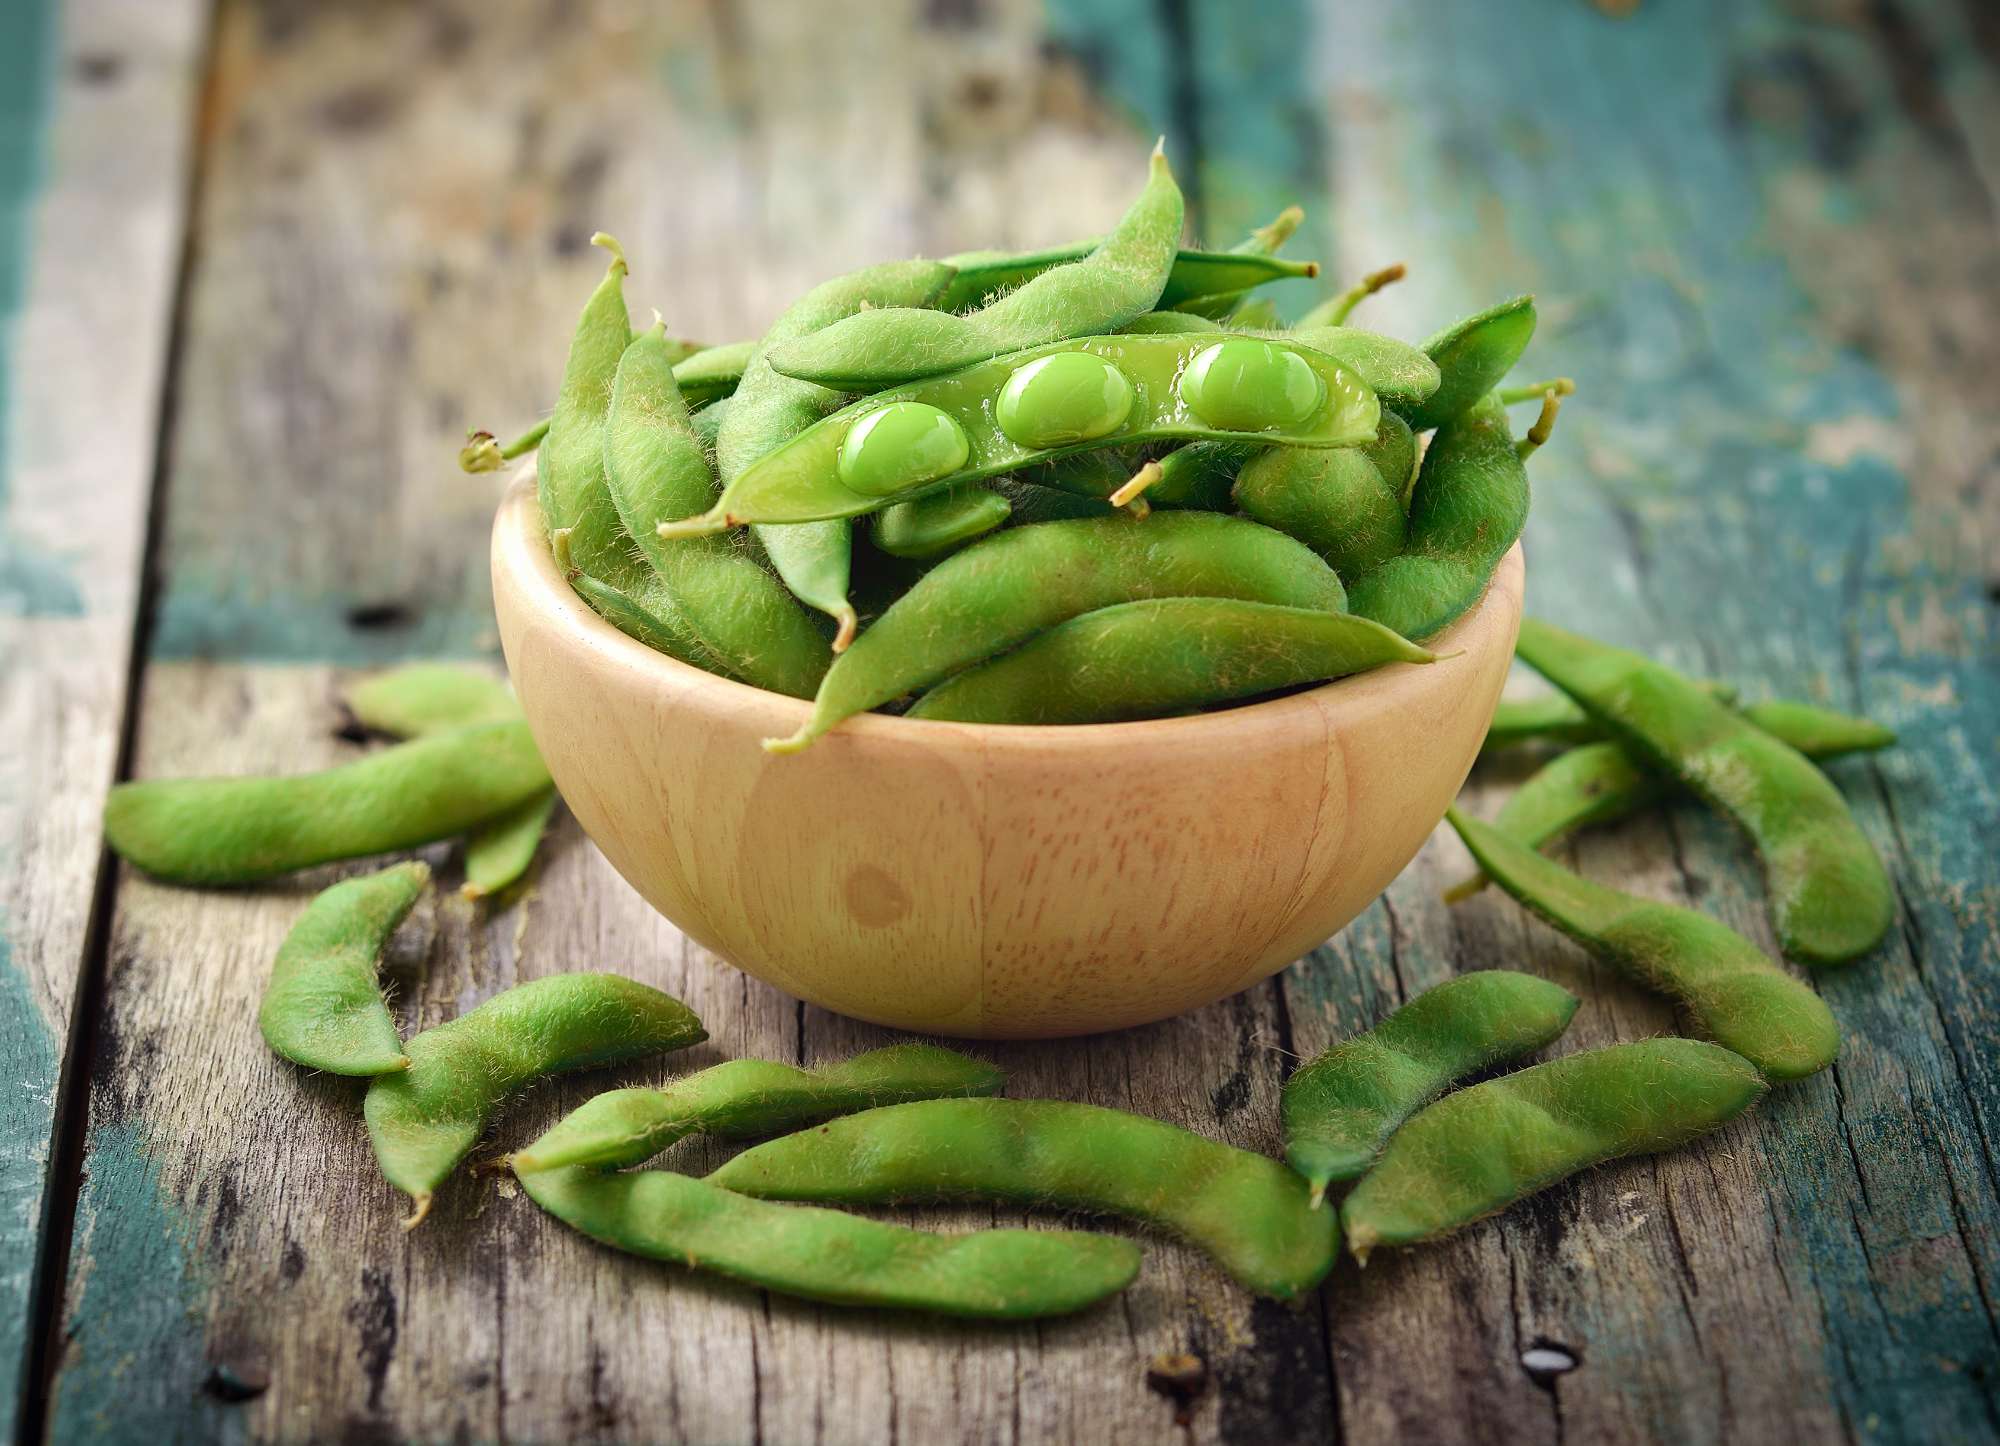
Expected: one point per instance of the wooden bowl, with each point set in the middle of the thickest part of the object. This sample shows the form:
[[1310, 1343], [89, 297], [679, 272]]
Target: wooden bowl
[[996, 882]]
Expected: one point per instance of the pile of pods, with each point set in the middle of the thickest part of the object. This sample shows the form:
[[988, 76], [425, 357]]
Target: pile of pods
[[1088, 484]]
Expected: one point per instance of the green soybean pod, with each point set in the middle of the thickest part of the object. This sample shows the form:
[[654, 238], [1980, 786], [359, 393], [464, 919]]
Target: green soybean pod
[[1478, 1150], [1247, 1211], [323, 1007], [1401, 375], [831, 1256], [1257, 313], [711, 373], [1032, 502], [1732, 992], [1266, 240], [657, 469], [1472, 356], [1119, 279], [1819, 732], [747, 1097], [1339, 501], [815, 558], [642, 624], [1160, 657], [498, 853], [242, 830], [1555, 718], [1830, 896], [427, 1118], [1168, 323], [1341, 1107], [1004, 588], [940, 522]]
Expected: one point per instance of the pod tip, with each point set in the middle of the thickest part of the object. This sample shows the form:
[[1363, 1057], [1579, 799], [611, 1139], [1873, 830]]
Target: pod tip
[[422, 1210], [850, 624]]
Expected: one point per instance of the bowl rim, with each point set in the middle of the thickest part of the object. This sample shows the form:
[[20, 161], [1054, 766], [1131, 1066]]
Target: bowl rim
[[520, 548]]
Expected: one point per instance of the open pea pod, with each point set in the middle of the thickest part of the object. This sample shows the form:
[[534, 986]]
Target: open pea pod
[[1045, 402]]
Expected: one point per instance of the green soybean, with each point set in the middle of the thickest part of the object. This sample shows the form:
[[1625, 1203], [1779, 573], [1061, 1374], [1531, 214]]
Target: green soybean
[[828, 1255], [748, 1097], [1160, 657], [1341, 1107], [711, 373], [656, 468], [1249, 1212], [1477, 1151], [1555, 718], [1006, 587], [1732, 992], [1344, 503], [766, 410], [1830, 896], [426, 1119], [940, 522], [242, 830], [1184, 387], [1472, 356], [323, 1007], [1118, 280]]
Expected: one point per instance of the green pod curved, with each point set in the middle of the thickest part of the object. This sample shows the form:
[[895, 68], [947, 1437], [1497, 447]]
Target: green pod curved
[[1247, 1211], [1160, 657], [708, 375], [1341, 1107], [1199, 280], [1006, 587], [1478, 1150], [1734, 995], [748, 1097], [1120, 278], [242, 830], [498, 853], [1555, 718], [1338, 501], [831, 1256], [323, 1007], [426, 1119], [1472, 356], [1830, 896], [940, 522], [420, 698]]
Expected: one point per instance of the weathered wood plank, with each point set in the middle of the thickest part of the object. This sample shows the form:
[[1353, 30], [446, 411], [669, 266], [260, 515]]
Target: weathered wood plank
[[95, 116]]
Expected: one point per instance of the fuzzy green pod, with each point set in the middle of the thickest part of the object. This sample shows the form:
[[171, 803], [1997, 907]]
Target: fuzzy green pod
[[710, 374], [1472, 356], [1342, 1106], [323, 1007], [940, 522]]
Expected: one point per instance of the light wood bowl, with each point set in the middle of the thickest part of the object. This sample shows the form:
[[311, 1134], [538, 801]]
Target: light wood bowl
[[995, 882]]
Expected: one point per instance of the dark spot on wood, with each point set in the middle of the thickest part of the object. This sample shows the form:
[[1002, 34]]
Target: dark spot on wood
[[1698, 887], [237, 1380], [292, 1261], [359, 109], [1913, 70], [379, 616], [1993, 591], [1181, 1378], [98, 67], [1231, 1095], [228, 1205], [373, 1314], [351, 729], [370, 1431], [1546, 1360]]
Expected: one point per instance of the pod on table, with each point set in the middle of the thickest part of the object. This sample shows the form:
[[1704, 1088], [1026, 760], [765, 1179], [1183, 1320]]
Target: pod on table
[[1830, 896], [427, 1118], [1249, 1212], [767, 409], [1477, 1151], [1163, 656], [498, 853], [1555, 718], [1341, 1107], [1733, 993], [940, 522], [1601, 782], [323, 1007], [1004, 588], [709, 374], [1118, 279], [1345, 503], [747, 1097], [656, 469], [241, 830], [831, 1256], [1472, 356], [1033, 406]]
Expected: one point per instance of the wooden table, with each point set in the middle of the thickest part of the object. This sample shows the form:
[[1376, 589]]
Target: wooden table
[[263, 266]]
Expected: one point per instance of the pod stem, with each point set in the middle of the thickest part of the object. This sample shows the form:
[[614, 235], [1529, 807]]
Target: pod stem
[[1545, 424], [559, 545], [618, 266], [1561, 386], [420, 1213], [1342, 306], [1269, 239], [1465, 888], [1134, 490], [850, 623], [482, 451], [702, 524]]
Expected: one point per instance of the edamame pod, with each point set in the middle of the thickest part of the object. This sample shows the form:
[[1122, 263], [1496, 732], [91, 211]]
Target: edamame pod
[[1266, 240], [1168, 323], [1401, 375], [1005, 588], [241, 830], [656, 469], [498, 853], [1033, 406], [1345, 503], [426, 1119], [940, 522], [1830, 895], [747, 1097], [1160, 657], [1342, 1107], [1734, 995], [831, 1256], [1477, 1151], [709, 374], [1555, 718], [1033, 503], [767, 410], [1120, 278], [1249, 1212], [1472, 356], [323, 1007], [640, 623]]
